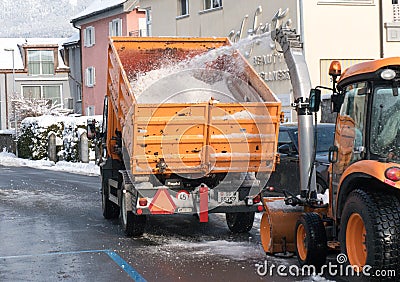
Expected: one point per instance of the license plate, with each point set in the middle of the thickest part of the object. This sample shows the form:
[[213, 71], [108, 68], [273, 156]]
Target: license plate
[[228, 197]]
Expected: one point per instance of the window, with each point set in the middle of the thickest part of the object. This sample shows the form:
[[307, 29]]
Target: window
[[183, 7], [212, 4], [115, 27], [40, 62], [351, 122], [78, 93], [89, 36], [90, 76], [51, 93]]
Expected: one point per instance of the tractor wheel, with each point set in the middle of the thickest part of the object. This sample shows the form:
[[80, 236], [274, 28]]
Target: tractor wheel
[[240, 222], [110, 209], [310, 240], [132, 224], [370, 230]]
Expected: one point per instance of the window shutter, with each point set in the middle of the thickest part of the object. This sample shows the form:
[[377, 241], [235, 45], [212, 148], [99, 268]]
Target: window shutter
[[87, 76], [93, 76], [85, 37], [119, 27], [93, 36]]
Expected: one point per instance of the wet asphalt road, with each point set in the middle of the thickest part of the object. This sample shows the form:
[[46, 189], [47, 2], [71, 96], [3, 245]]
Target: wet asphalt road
[[52, 229]]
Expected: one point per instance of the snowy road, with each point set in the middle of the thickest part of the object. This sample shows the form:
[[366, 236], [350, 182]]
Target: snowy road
[[52, 229]]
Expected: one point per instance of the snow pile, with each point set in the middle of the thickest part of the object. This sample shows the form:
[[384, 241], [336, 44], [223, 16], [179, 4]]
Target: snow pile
[[9, 159]]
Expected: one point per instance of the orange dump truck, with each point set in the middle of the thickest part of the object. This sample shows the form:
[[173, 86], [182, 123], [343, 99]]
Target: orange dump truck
[[188, 128]]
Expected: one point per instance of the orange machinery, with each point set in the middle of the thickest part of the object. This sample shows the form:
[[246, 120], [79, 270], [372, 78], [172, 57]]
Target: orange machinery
[[198, 136], [362, 217]]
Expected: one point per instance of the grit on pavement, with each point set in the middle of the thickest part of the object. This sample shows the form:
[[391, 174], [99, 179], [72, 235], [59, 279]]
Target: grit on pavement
[[52, 229]]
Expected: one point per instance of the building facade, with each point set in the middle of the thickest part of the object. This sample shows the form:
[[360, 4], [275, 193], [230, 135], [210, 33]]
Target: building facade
[[32, 69], [96, 24], [72, 57], [347, 30]]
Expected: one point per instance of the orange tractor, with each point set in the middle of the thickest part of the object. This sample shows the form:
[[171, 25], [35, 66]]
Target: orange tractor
[[362, 217]]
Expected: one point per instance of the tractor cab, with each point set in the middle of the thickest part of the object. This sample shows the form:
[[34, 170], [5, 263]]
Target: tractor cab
[[368, 104]]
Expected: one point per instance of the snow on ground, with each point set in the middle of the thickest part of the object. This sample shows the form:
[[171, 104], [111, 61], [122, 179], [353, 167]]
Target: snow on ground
[[9, 159]]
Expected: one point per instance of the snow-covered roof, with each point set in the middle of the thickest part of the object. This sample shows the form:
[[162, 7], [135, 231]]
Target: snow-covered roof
[[72, 40], [6, 62], [98, 6]]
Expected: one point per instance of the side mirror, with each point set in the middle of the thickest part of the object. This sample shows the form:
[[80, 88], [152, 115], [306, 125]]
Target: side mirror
[[315, 100], [336, 102], [285, 149], [91, 129], [333, 154]]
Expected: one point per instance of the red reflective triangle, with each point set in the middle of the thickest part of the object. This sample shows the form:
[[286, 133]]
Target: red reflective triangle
[[162, 203]]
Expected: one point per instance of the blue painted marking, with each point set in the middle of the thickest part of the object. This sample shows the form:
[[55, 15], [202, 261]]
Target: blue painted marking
[[125, 266], [113, 255]]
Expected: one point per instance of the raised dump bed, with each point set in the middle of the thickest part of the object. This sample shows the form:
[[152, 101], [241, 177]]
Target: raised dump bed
[[189, 128], [211, 114]]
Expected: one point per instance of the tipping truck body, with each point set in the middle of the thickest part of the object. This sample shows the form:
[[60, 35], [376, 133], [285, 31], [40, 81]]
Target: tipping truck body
[[196, 140], [361, 216]]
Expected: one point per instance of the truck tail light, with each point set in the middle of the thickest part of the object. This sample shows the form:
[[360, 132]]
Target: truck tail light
[[142, 202], [393, 173], [257, 199]]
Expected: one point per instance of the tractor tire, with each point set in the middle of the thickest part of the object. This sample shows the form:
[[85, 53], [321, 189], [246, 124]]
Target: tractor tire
[[132, 224], [310, 240], [110, 209], [370, 230], [240, 222]]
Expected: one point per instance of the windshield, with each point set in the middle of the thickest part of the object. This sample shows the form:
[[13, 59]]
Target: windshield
[[385, 124], [325, 135]]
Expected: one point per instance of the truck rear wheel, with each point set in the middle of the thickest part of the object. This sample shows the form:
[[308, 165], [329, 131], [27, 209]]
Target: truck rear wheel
[[240, 222], [110, 209], [132, 224], [310, 240], [370, 230]]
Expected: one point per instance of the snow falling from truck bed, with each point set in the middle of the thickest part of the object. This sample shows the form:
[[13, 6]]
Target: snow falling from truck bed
[[217, 74]]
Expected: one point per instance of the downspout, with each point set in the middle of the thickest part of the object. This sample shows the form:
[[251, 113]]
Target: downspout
[[381, 50]]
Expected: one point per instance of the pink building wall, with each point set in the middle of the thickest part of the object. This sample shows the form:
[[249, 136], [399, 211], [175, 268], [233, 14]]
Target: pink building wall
[[96, 56]]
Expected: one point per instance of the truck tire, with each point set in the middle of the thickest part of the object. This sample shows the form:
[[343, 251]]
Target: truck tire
[[132, 224], [310, 240], [240, 222], [110, 210], [370, 230]]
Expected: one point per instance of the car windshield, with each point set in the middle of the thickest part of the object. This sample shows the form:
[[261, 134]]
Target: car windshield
[[325, 136], [385, 123]]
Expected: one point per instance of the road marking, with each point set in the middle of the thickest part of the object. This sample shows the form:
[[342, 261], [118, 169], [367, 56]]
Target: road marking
[[125, 266], [113, 255]]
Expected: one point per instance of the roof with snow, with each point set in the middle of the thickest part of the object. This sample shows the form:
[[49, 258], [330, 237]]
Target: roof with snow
[[74, 39], [6, 62], [99, 6]]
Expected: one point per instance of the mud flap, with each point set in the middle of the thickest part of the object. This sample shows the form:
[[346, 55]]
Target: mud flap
[[203, 214]]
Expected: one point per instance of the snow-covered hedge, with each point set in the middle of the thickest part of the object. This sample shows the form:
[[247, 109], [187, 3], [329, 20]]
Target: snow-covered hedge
[[34, 133]]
